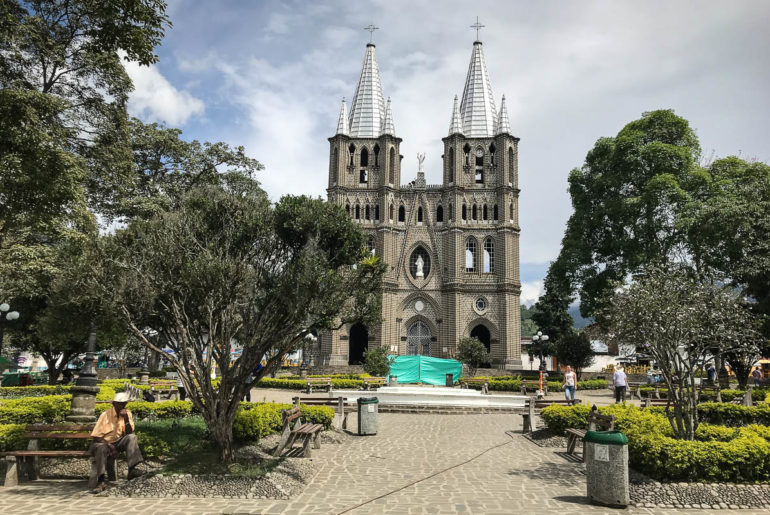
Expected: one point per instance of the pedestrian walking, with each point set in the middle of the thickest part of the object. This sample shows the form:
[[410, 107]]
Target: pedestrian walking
[[569, 383], [619, 381]]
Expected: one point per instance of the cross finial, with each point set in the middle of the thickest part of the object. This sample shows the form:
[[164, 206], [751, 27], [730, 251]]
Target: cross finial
[[371, 28], [478, 26]]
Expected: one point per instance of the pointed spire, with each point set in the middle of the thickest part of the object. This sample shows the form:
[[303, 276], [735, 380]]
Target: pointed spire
[[342, 123], [503, 125], [367, 110], [387, 125], [477, 108], [455, 126]]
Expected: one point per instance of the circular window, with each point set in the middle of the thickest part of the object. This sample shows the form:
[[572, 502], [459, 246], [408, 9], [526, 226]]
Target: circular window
[[481, 305], [419, 306], [419, 263]]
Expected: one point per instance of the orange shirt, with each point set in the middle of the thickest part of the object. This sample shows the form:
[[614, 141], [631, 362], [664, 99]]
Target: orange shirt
[[110, 426]]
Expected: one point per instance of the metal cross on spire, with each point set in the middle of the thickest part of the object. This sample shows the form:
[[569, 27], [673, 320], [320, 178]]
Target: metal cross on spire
[[478, 26], [371, 28]]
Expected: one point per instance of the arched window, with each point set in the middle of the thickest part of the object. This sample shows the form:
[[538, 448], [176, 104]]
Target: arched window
[[335, 162], [376, 155], [479, 165], [358, 212], [414, 269], [364, 177], [347, 209], [451, 174], [494, 212], [390, 212], [510, 165], [377, 212], [370, 245], [492, 153], [364, 157], [449, 213], [419, 215], [366, 212], [485, 214], [489, 256], [474, 212], [467, 154], [465, 212], [401, 213], [470, 255], [511, 209], [352, 151], [392, 166], [439, 214]]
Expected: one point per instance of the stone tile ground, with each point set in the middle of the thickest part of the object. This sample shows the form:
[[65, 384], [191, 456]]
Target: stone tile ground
[[415, 464]]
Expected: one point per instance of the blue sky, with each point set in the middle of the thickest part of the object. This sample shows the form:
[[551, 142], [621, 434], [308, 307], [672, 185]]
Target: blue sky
[[269, 75]]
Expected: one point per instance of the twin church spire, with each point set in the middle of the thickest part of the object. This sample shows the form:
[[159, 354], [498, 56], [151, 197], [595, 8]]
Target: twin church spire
[[475, 117]]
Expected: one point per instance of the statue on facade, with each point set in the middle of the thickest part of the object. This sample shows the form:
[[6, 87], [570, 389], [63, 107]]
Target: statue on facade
[[419, 264], [421, 161]]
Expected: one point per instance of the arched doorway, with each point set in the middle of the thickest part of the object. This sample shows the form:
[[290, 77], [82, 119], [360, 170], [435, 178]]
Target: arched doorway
[[418, 339], [358, 343], [482, 334]]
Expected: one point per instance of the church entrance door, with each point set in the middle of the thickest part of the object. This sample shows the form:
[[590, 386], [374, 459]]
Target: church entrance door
[[358, 344], [418, 339], [482, 334]]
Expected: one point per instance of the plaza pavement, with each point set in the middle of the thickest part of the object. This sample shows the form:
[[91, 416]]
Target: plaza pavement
[[415, 464]]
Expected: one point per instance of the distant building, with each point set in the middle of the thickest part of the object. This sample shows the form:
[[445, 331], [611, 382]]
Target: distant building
[[452, 249]]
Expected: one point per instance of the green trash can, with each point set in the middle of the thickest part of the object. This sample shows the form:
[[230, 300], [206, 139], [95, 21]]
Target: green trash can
[[367, 415], [606, 459]]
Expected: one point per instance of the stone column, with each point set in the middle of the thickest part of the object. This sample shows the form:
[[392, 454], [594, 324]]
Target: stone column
[[144, 375], [84, 392]]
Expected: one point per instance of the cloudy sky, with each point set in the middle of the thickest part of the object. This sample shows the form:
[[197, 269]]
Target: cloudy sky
[[270, 75]]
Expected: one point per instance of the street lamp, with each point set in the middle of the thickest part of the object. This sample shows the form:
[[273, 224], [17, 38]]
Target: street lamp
[[6, 315], [542, 338]]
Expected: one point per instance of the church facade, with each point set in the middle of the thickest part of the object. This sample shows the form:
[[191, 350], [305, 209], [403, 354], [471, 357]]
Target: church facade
[[452, 249]]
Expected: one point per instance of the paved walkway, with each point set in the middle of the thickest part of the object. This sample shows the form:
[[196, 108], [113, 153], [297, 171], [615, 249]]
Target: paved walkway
[[415, 464]]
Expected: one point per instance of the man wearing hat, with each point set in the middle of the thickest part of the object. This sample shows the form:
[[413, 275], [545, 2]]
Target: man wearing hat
[[114, 431]]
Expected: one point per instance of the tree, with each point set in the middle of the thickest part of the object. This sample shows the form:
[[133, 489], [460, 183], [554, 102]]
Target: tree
[[377, 362], [680, 322], [550, 312], [626, 200], [227, 266], [528, 326], [575, 350], [473, 354]]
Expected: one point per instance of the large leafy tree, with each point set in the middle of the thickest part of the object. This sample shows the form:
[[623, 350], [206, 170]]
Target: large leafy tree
[[574, 349], [226, 266], [681, 322]]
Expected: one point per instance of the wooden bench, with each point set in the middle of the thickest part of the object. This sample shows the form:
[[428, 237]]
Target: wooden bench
[[302, 433], [373, 381], [596, 422], [534, 385], [25, 464], [170, 393], [649, 401], [318, 382], [710, 392], [480, 382], [341, 409], [633, 389]]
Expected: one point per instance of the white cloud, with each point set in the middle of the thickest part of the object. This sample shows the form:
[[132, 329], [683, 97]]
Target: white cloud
[[155, 98], [531, 291]]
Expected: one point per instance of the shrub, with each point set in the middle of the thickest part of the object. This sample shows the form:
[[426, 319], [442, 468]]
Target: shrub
[[153, 410], [152, 446], [377, 362], [35, 410], [254, 421], [287, 384], [472, 353], [171, 436], [559, 418], [33, 391], [733, 414], [11, 437]]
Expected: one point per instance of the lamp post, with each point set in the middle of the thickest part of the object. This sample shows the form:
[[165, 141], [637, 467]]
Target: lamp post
[[84, 392], [542, 338], [6, 315]]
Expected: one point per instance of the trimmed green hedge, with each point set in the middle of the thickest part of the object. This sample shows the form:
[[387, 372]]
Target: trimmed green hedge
[[35, 410], [12, 392], [734, 414], [254, 421], [757, 394], [718, 453], [147, 410], [10, 437]]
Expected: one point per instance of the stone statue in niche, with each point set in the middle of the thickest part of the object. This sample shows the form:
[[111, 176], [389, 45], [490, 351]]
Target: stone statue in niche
[[419, 264]]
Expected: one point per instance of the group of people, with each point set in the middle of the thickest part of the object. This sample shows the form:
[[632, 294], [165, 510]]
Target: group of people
[[569, 383]]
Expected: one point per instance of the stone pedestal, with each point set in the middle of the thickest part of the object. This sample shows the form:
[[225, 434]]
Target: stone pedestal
[[144, 376], [303, 372], [83, 404]]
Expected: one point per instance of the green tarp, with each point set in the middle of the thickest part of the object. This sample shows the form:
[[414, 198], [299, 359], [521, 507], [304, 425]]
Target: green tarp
[[424, 369]]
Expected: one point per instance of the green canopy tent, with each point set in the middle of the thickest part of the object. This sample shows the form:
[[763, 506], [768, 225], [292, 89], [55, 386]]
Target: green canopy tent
[[424, 369]]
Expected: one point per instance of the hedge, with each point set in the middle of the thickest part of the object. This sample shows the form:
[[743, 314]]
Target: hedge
[[508, 384], [757, 394], [11, 437], [33, 391], [733, 414], [254, 421], [719, 453]]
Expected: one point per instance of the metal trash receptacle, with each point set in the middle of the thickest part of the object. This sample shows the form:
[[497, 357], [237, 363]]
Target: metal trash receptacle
[[606, 459], [367, 415]]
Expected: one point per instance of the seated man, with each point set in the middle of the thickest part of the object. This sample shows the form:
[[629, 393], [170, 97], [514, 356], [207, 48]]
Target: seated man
[[114, 431]]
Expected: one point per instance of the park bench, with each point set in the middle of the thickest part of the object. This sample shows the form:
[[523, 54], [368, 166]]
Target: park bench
[[341, 409], [170, 393], [710, 392], [596, 422], [633, 389], [473, 382], [299, 433], [373, 381], [530, 384], [318, 382], [25, 464], [649, 401], [533, 405]]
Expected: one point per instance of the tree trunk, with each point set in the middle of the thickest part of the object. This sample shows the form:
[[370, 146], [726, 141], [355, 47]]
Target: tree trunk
[[221, 427]]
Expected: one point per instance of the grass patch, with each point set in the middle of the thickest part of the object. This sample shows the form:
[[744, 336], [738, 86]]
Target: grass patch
[[206, 461]]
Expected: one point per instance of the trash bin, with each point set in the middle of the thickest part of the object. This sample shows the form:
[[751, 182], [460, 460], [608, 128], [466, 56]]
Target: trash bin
[[393, 381], [606, 459], [367, 415], [450, 380]]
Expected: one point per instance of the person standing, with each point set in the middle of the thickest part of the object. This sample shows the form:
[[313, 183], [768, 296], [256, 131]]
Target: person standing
[[569, 383], [619, 381], [180, 387], [757, 375], [712, 374]]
